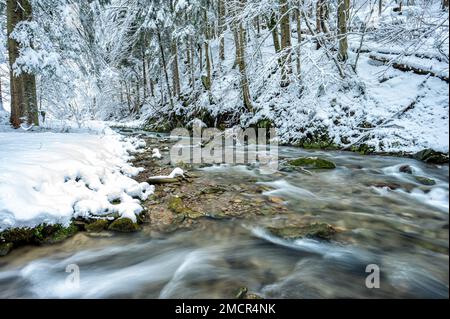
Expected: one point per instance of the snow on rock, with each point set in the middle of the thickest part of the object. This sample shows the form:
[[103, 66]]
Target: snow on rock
[[156, 153], [175, 173], [54, 177]]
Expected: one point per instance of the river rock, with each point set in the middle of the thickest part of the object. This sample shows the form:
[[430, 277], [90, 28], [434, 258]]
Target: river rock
[[425, 180], [5, 248], [123, 225], [433, 157], [177, 206], [312, 163], [316, 231], [244, 294], [406, 169], [97, 226]]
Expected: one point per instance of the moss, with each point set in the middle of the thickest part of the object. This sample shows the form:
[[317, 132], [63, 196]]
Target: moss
[[312, 163], [41, 234], [116, 202], [433, 157], [123, 225], [18, 235], [60, 233], [425, 180], [97, 226], [243, 293], [363, 149], [316, 231], [318, 140], [5, 248], [177, 206]]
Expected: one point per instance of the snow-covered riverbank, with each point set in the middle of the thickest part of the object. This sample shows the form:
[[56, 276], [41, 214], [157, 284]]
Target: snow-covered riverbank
[[48, 177]]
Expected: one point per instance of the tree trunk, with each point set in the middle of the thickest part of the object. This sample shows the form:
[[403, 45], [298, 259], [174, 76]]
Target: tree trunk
[[243, 68], [343, 11], [1, 96], [272, 23], [286, 69], [175, 71], [221, 6], [14, 16], [299, 38], [207, 81], [144, 72], [166, 75]]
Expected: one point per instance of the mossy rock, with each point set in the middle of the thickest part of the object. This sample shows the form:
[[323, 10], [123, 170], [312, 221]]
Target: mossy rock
[[58, 234], [244, 294], [406, 169], [425, 180], [312, 163], [38, 235], [431, 156], [123, 225], [363, 149], [177, 206], [316, 231], [97, 226], [18, 235], [5, 248]]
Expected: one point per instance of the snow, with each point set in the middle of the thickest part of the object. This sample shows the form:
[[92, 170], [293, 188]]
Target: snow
[[156, 154], [175, 173], [48, 177]]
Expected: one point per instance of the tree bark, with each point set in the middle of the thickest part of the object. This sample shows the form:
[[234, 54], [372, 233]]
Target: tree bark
[[272, 23], [166, 75], [299, 38], [175, 71], [286, 45], [343, 11], [221, 6], [14, 16]]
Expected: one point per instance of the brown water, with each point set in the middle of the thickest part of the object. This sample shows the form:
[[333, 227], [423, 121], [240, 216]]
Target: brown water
[[403, 231]]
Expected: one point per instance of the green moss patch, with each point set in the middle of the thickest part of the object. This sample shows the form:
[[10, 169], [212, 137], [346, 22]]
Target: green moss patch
[[312, 163]]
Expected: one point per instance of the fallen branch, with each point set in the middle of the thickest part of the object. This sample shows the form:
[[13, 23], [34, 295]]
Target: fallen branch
[[408, 68]]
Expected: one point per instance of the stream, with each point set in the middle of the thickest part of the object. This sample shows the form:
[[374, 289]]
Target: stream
[[382, 217]]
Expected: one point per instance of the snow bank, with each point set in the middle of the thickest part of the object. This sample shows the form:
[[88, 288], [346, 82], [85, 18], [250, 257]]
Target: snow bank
[[54, 177]]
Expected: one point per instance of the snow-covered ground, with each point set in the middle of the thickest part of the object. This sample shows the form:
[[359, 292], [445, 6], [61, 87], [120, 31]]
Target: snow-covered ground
[[385, 108], [48, 177]]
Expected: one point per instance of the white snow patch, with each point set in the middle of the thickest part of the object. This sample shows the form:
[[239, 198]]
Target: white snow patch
[[54, 177]]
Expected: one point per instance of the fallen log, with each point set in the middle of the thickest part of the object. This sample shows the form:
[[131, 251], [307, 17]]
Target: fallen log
[[408, 68]]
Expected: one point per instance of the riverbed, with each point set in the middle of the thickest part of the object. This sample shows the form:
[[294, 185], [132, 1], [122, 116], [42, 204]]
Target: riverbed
[[233, 235]]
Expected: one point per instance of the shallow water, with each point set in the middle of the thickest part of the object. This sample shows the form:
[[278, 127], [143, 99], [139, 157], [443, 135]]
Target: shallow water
[[403, 231]]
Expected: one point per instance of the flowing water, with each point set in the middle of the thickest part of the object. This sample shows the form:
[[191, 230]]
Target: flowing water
[[403, 229]]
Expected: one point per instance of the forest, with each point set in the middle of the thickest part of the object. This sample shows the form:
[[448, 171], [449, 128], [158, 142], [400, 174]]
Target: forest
[[350, 96], [323, 73]]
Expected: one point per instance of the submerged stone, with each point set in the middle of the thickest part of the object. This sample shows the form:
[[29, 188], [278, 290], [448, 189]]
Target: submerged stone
[[406, 169], [312, 163], [425, 180], [5, 248], [316, 231], [123, 225]]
